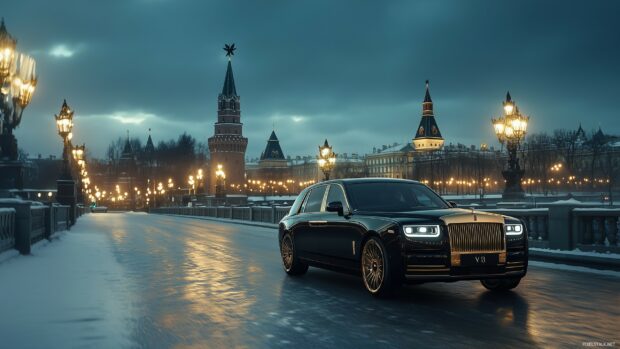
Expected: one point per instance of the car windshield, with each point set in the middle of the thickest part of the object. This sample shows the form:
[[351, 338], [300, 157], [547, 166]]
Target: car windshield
[[393, 197]]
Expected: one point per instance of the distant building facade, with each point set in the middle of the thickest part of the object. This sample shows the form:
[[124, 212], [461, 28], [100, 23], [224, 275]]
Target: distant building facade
[[393, 161]]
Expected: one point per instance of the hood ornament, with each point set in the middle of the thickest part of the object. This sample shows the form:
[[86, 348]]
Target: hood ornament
[[473, 212]]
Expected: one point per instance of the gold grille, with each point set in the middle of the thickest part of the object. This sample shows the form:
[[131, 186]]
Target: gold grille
[[476, 238]]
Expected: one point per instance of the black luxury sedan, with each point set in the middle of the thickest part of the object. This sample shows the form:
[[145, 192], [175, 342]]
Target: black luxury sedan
[[393, 231]]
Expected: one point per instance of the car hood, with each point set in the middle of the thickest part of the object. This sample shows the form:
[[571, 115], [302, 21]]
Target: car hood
[[450, 215]]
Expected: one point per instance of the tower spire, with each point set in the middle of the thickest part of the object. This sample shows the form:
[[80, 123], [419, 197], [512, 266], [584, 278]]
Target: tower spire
[[427, 96], [427, 105], [150, 147], [229, 89], [428, 136]]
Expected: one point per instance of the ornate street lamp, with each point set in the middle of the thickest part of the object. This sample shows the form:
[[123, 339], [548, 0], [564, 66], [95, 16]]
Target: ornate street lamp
[[170, 187], [64, 123], [327, 159], [220, 181], [80, 168], [511, 129], [78, 153], [199, 177], [18, 80], [66, 190]]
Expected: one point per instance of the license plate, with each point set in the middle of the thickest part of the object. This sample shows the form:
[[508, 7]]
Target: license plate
[[479, 259]]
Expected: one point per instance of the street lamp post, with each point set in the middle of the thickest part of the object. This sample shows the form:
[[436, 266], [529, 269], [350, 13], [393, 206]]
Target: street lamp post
[[170, 187], [17, 84], [192, 184], [220, 182], [78, 157], [199, 177], [327, 159], [66, 191], [511, 129]]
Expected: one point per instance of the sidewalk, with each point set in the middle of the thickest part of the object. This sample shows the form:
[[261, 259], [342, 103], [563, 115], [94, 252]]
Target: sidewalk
[[70, 292]]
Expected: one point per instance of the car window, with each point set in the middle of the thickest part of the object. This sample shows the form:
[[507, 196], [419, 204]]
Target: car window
[[336, 194], [315, 199], [393, 197], [297, 204]]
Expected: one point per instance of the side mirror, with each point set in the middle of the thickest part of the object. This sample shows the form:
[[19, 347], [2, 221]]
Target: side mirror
[[335, 206], [453, 204]]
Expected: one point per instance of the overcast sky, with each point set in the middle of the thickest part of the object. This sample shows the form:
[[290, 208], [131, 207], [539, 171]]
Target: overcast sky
[[351, 71]]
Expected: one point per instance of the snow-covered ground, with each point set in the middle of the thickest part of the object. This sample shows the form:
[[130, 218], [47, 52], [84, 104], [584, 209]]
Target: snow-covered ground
[[69, 293]]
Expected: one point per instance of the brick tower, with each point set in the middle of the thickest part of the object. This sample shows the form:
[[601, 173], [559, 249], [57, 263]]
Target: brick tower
[[227, 146]]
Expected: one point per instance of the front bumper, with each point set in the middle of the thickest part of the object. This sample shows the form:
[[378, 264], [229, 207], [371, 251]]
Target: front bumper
[[436, 266]]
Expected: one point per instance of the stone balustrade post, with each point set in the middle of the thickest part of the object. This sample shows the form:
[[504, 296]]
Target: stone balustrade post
[[563, 229]]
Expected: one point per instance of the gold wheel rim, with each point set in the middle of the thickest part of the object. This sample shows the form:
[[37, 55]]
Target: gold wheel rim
[[286, 250], [373, 266]]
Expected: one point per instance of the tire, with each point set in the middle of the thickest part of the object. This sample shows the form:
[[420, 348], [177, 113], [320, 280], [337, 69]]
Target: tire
[[500, 285], [377, 273], [292, 264]]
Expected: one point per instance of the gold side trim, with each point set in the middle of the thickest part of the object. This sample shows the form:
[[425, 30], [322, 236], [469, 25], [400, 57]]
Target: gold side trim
[[425, 266]]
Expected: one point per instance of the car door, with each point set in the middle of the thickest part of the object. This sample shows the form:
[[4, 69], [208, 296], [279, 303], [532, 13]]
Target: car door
[[312, 218], [340, 237]]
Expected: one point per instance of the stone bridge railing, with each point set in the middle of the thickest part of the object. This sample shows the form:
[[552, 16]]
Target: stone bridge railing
[[596, 228], [7, 228], [263, 214], [562, 225], [22, 224]]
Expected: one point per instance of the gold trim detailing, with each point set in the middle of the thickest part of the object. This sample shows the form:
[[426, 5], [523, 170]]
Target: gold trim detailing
[[478, 237], [455, 259], [502, 258], [425, 266], [472, 217]]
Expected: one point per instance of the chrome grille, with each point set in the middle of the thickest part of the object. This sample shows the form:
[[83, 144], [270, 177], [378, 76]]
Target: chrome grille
[[476, 237]]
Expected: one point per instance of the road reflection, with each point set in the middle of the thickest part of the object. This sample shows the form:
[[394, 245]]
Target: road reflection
[[205, 284]]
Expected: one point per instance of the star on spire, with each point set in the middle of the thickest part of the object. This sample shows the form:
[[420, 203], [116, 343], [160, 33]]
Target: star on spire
[[230, 50]]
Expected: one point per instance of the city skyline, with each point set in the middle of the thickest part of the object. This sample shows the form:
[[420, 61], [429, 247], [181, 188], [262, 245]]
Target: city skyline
[[160, 66]]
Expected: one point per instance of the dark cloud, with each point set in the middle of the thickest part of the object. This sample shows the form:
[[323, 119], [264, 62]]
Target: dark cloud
[[351, 71]]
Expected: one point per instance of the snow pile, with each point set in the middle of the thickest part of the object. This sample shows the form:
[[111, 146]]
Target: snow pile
[[70, 292]]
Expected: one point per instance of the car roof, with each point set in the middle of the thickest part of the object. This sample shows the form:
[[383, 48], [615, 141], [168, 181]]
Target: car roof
[[366, 180]]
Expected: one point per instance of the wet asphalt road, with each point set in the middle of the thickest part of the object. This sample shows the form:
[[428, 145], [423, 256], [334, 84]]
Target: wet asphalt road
[[198, 283]]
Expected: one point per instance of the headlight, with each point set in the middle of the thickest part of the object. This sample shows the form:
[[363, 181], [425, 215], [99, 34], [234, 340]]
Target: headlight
[[513, 229], [421, 231]]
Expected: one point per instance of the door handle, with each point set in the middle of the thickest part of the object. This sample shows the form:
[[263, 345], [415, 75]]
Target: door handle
[[317, 223]]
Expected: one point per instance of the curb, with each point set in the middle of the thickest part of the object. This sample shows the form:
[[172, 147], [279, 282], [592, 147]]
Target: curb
[[225, 220], [571, 259]]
